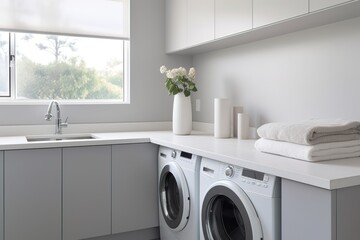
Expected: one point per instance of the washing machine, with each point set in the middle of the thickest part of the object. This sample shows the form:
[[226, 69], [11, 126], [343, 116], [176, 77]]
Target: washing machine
[[178, 194], [238, 203]]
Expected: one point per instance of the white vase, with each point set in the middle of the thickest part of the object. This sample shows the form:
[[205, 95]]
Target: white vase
[[182, 115]]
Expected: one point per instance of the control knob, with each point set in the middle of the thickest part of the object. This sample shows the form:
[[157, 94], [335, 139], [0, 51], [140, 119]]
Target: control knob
[[173, 154], [229, 171]]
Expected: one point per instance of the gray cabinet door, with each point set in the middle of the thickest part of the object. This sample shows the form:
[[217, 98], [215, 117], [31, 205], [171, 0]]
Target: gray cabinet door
[[348, 213], [1, 196], [134, 187], [86, 192], [307, 212], [33, 194]]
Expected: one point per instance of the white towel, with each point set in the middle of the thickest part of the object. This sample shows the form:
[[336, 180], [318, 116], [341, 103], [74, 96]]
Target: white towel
[[319, 152], [312, 132]]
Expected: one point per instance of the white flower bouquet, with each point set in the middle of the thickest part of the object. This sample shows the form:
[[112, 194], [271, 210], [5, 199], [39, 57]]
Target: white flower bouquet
[[178, 80]]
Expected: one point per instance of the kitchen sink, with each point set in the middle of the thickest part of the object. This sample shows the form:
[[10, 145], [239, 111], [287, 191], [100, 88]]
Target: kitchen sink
[[60, 137]]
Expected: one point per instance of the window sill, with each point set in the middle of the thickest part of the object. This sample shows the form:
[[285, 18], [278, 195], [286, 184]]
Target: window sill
[[62, 102]]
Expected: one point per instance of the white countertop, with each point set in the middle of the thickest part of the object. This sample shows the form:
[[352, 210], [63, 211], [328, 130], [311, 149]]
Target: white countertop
[[332, 174]]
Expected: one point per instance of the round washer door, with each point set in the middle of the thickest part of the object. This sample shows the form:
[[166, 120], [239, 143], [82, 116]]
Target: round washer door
[[228, 214], [174, 196]]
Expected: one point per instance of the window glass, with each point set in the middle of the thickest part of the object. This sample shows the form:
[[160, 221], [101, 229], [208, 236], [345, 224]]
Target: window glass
[[4, 64], [69, 68]]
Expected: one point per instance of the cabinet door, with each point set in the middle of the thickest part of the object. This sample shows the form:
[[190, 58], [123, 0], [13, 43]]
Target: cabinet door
[[320, 4], [200, 22], [232, 16], [86, 192], [307, 212], [134, 187], [271, 11], [176, 29], [1, 196], [33, 194]]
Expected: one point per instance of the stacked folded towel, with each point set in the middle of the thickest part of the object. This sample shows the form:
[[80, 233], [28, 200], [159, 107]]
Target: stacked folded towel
[[312, 140]]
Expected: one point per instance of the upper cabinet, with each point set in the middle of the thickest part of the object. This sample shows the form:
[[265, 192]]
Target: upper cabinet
[[176, 24], [200, 24], [270, 11], [232, 16], [197, 26], [320, 4]]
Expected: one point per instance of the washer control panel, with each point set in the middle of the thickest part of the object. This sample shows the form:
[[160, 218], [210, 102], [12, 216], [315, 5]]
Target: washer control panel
[[248, 179]]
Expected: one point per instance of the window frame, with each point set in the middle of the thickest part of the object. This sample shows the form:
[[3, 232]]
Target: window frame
[[13, 100]]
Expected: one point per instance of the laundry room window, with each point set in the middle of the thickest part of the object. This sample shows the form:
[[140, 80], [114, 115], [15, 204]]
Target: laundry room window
[[4, 65], [44, 57]]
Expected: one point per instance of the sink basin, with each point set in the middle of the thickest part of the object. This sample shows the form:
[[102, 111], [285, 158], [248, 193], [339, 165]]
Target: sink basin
[[60, 137]]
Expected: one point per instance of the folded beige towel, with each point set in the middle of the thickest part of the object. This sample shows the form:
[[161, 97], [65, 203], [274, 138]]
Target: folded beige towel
[[311, 132], [318, 152]]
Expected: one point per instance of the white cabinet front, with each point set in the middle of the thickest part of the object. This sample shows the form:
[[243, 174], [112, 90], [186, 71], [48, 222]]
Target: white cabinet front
[[176, 28], [33, 194], [134, 185], [271, 11], [200, 22], [86, 192], [232, 17], [320, 4]]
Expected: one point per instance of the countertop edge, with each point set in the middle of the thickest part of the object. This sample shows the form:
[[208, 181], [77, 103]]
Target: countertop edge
[[311, 173]]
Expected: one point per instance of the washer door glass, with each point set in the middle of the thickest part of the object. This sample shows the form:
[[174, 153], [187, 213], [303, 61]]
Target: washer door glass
[[224, 216], [174, 196]]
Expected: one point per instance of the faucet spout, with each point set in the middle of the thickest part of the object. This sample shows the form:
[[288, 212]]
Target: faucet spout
[[58, 123]]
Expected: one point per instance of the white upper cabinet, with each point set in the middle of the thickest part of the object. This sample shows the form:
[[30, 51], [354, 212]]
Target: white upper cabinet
[[320, 4], [200, 24], [232, 17], [271, 11], [176, 28], [197, 26]]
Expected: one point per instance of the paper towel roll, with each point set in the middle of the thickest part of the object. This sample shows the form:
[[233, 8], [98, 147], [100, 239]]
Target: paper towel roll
[[222, 118], [243, 126]]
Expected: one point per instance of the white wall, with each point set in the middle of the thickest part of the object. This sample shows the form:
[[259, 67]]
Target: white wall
[[306, 74], [149, 99]]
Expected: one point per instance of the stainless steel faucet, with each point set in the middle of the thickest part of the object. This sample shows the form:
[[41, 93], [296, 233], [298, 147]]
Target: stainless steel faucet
[[58, 123]]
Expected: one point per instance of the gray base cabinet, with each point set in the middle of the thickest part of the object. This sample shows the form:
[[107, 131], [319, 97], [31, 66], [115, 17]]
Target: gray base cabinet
[[33, 194], [313, 213], [79, 192], [1, 195], [86, 192], [134, 187]]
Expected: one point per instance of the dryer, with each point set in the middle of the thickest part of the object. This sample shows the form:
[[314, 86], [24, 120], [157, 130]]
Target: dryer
[[238, 203], [178, 183]]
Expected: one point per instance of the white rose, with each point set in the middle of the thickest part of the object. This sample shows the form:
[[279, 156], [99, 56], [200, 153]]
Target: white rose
[[170, 74], [182, 71], [163, 69], [192, 73]]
